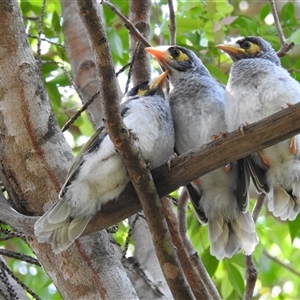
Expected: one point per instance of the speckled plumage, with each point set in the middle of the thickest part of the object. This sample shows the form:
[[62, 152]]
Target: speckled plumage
[[98, 174], [197, 106], [258, 87]]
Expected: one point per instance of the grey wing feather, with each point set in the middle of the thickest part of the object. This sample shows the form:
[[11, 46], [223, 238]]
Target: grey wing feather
[[258, 175], [195, 198], [243, 185], [93, 141]]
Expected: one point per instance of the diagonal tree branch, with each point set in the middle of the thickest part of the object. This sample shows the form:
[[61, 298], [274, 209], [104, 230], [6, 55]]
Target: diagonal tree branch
[[285, 47], [132, 29], [136, 166], [259, 135]]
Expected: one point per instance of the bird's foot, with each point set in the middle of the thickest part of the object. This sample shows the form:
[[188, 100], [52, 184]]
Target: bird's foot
[[196, 182], [293, 145], [133, 135], [293, 142], [286, 106], [220, 135], [169, 160], [264, 158], [241, 128], [227, 168]]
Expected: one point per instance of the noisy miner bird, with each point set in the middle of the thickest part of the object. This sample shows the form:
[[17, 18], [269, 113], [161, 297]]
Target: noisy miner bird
[[98, 174], [197, 107], [257, 87]]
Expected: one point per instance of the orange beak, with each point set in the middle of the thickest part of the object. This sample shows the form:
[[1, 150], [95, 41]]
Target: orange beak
[[160, 52], [159, 81], [230, 49]]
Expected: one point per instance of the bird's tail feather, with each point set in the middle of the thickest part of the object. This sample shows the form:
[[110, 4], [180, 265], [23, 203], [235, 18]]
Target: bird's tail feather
[[283, 204], [228, 238], [58, 228]]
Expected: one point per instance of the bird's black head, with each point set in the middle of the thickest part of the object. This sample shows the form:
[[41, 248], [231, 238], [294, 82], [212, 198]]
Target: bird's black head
[[250, 47], [140, 89], [149, 88], [176, 58]]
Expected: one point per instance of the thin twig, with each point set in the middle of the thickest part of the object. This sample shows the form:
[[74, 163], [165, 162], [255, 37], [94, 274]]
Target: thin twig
[[80, 111], [172, 25], [137, 46], [25, 287], [20, 256], [45, 40], [258, 206], [281, 263], [129, 235], [123, 69], [285, 47], [193, 255], [132, 29]]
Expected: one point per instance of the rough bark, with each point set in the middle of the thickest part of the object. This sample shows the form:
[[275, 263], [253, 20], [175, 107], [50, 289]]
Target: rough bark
[[33, 164], [185, 168], [82, 59], [135, 165], [139, 16]]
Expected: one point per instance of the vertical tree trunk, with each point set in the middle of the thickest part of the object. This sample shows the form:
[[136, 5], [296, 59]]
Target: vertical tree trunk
[[139, 15], [33, 164]]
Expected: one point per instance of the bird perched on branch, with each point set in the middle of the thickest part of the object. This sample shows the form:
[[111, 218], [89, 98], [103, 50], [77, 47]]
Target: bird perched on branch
[[98, 174], [257, 87], [197, 105]]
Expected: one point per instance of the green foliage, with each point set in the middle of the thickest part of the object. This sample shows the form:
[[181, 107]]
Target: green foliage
[[200, 26]]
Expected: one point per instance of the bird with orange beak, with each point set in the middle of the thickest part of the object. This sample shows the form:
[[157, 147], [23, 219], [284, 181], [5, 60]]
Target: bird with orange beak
[[98, 174], [220, 198], [257, 87]]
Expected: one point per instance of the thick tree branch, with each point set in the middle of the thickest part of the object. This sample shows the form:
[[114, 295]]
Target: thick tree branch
[[191, 274], [136, 166], [192, 254], [251, 272], [265, 133]]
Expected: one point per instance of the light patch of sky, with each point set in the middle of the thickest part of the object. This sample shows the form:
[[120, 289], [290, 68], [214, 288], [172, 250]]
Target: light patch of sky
[[243, 5], [269, 19]]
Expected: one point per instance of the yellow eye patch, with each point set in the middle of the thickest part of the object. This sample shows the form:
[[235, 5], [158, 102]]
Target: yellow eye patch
[[142, 92], [182, 57], [254, 48]]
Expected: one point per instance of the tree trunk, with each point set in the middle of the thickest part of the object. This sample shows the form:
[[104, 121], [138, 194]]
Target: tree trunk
[[33, 164]]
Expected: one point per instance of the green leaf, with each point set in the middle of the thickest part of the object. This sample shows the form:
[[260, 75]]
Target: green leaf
[[294, 227], [55, 22], [295, 37], [210, 262], [226, 287], [216, 73], [186, 25], [287, 11], [264, 12], [224, 7], [235, 278]]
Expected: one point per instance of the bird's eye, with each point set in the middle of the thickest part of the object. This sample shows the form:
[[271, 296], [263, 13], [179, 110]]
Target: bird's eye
[[143, 87], [246, 45], [175, 53]]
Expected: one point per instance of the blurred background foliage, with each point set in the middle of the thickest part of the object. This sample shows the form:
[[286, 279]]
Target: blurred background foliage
[[200, 26]]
